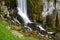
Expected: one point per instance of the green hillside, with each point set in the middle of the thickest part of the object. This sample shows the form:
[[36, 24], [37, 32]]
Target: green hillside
[[5, 34]]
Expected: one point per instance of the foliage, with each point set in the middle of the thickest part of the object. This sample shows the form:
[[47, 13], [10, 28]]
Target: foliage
[[10, 3], [36, 9], [5, 34]]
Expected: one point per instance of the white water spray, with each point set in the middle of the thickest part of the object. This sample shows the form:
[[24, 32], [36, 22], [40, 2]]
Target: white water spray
[[22, 10]]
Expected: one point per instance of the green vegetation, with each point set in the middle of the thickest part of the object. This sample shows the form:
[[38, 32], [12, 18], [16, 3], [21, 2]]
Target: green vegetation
[[5, 34], [36, 7]]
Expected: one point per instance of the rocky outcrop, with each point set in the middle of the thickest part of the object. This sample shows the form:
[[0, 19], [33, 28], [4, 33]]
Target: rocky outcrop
[[36, 9]]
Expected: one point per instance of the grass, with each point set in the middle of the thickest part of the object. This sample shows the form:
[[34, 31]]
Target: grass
[[29, 38], [5, 34]]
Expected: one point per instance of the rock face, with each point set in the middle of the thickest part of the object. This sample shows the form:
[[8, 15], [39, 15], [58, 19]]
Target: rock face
[[58, 10], [34, 8], [10, 3], [35, 11]]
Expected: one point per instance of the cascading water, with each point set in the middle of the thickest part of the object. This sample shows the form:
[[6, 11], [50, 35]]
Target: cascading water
[[45, 8], [51, 7], [58, 6], [22, 10], [21, 7], [48, 8]]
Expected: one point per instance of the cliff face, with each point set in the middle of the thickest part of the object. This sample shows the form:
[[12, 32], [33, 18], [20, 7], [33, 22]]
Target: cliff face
[[35, 12], [10, 3], [36, 9], [51, 21]]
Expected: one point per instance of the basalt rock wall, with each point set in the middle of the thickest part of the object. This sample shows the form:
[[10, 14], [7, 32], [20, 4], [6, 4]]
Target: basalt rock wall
[[35, 12]]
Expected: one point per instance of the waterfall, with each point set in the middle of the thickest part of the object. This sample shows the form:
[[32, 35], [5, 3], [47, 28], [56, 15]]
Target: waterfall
[[51, 7], [48, 8], [41, 27], [45, 8], [58, 6], [22, 10]]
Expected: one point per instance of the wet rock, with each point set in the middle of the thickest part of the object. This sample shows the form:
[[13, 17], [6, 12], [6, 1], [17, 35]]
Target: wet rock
[[32, 26]]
